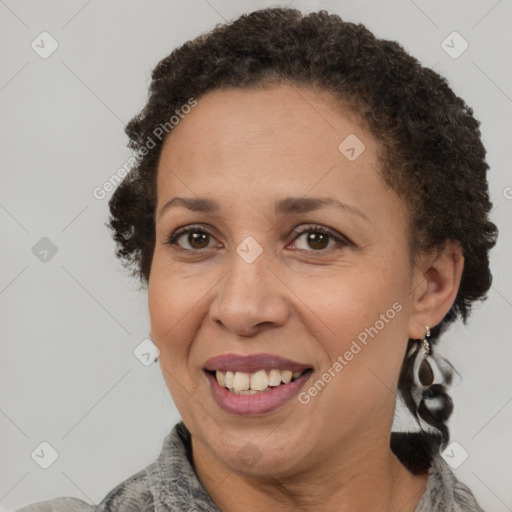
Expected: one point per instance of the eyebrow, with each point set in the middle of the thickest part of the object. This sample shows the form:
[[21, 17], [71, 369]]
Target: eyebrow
[[287, 206]]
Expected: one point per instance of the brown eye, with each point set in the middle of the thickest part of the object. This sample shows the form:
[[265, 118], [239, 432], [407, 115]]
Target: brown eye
[[318, 240], [191, 238], [198, 240]]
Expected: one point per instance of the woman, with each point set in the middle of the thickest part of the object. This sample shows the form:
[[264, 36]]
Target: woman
[[309, 211]]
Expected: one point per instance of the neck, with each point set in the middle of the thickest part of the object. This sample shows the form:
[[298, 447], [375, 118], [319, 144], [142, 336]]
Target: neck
[[356, 480]]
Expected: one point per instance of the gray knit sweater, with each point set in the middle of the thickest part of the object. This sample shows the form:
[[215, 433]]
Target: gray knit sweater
[[170, 484]]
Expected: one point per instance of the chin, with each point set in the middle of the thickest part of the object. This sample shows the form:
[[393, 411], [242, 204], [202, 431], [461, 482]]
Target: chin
[[257, 451]]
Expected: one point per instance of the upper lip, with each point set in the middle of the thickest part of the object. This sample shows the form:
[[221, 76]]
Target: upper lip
[[253, 363]]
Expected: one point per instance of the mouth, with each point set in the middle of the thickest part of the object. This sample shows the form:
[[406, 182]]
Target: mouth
[[261, 381], [256, 384]]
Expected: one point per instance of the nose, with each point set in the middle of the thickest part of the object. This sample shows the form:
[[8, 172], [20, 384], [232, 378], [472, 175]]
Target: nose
[[250, 298]]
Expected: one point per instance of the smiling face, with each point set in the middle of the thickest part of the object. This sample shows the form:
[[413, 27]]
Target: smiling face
[[281, 256]]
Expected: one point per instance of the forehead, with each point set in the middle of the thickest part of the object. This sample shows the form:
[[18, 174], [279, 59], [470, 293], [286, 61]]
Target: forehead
[[279, 114], [285, 136]]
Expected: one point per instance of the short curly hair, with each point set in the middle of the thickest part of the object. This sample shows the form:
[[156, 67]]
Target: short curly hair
[[430, 147]]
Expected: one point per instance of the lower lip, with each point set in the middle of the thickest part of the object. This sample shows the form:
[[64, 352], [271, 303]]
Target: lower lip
[[260, 403]]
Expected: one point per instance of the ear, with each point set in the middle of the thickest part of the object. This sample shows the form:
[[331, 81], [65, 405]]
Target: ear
[[436, 282]]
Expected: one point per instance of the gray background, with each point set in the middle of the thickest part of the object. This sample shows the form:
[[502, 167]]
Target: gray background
[[69, 325]]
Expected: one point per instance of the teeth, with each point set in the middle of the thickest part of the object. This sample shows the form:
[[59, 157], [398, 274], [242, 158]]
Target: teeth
[[274, 378], [286, 376], [228, 379], [220, 378], [241, 381], [259, 380]]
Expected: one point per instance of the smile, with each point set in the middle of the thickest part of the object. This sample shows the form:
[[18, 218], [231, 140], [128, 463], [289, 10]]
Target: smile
[[256, 384], [243, 383]]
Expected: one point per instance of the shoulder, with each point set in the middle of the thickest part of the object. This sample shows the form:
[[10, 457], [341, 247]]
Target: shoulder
[[59, 505], [169, 483], [419, 452], [444, 492], [131, 495]]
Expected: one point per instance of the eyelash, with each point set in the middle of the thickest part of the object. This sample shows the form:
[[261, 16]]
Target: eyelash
[[313, 228]]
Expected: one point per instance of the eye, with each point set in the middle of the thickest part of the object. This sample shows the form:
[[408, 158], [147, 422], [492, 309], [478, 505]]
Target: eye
[[191, 238], [313, 238], [318, 238]]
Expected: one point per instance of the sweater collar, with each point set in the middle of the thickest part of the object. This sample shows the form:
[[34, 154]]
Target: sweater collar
[[173, 480], [175, 485]]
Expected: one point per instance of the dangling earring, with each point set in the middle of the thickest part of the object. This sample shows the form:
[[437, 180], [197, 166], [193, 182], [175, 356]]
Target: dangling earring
[[425, 369], [433, 404]]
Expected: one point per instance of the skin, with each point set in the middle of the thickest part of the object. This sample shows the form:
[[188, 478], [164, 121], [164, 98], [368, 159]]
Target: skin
[[248, 149]]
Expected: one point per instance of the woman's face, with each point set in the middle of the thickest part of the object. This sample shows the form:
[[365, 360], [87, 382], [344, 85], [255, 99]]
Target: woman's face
[[288, 258]]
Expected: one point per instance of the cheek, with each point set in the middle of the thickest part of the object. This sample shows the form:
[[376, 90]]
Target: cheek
[[171, 311], [171, 308], [350, 301], [172, 296], [360, 317], [361, 325]]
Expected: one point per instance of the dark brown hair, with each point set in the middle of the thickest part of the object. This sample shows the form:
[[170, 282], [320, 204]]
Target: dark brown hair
[[430, 145]]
